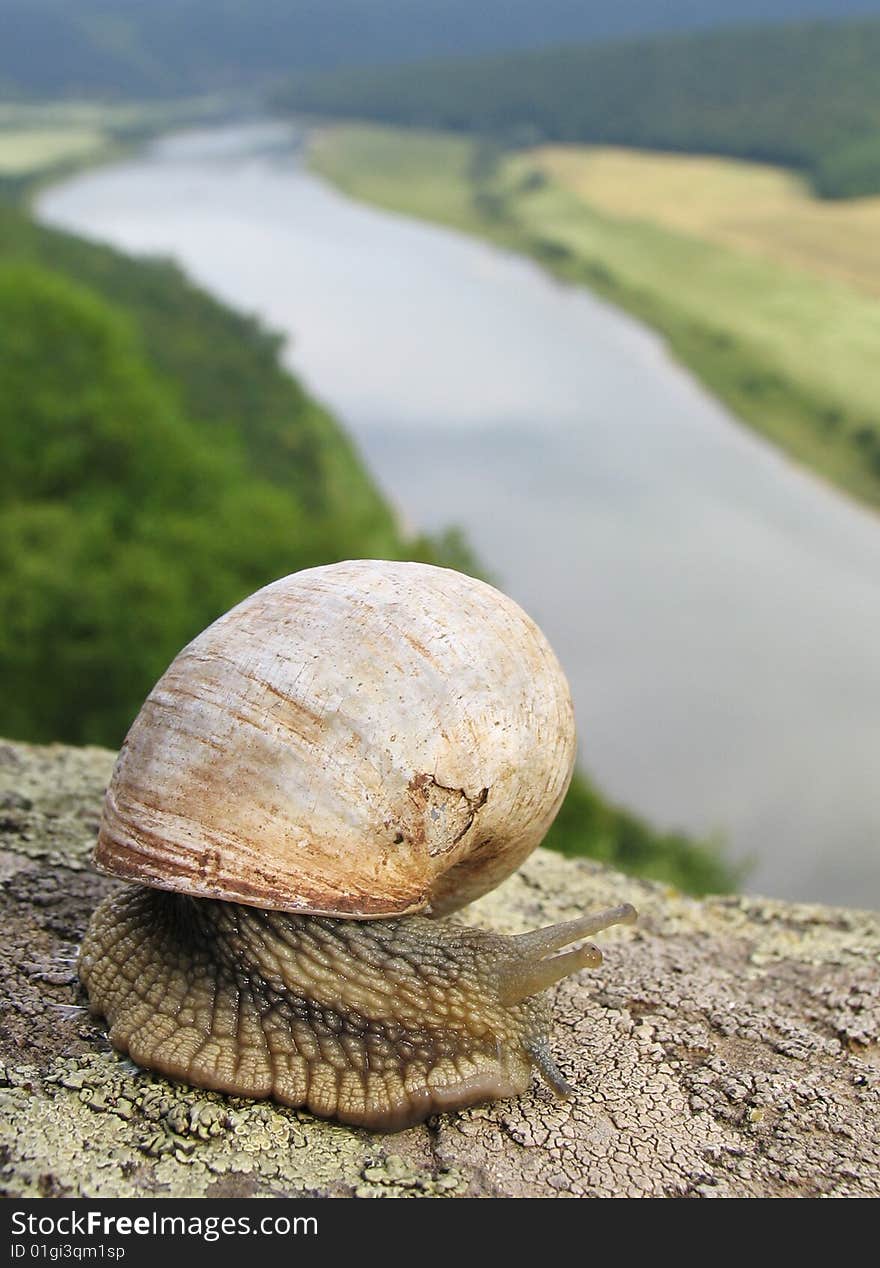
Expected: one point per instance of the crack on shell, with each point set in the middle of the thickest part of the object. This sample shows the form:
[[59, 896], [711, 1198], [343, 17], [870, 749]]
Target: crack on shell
[[436, 800]]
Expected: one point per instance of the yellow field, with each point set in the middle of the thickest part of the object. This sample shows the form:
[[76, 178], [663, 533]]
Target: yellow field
[[27, 150], [756, 208]]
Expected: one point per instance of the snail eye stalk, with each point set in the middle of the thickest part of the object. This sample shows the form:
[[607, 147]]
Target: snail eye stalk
[[532, 968]]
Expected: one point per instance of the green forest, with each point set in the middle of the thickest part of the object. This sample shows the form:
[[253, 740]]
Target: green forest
[[806, 96], [157, 464]]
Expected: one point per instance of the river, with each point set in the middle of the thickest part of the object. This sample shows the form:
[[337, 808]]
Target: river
[[716, 609]]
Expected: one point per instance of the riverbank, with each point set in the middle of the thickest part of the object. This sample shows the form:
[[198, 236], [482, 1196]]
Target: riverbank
[[791, 352]]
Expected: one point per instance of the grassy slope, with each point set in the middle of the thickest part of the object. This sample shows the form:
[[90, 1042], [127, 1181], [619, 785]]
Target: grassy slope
[[224, 369], [793, 353], [158, 465]]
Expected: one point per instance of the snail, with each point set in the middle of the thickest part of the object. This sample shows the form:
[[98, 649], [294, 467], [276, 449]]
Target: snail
[[348, 754]]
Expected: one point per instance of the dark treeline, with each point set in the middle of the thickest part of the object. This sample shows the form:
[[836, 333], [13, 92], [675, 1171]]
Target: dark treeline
[[805, 96], [178, 47]]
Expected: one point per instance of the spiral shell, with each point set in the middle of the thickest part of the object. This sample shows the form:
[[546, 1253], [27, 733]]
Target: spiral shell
[[364, 739]]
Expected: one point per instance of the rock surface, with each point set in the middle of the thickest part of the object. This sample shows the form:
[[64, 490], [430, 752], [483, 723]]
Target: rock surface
[[728, 1047]]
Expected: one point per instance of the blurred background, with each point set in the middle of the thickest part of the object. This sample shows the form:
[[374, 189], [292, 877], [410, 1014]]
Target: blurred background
[[581, 299]]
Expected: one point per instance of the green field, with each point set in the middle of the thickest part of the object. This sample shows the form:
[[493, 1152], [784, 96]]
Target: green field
[[791, 349], [27, 150], [40, 141], [36, 146]]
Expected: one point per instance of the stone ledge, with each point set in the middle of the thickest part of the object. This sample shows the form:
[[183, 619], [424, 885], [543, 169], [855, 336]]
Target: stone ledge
[[728, 1047]]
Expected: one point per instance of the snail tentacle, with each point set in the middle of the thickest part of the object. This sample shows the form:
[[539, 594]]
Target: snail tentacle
[[539, 942], [532, 969]]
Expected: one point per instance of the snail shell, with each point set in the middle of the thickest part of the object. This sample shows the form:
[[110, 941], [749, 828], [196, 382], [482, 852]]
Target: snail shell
[[365, 739]]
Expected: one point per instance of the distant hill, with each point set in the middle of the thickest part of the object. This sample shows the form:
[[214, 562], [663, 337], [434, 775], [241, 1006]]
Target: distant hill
[[805, 96], [173, 47]]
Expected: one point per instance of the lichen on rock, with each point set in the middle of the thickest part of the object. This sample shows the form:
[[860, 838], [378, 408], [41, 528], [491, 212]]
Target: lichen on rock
[[727, 1046]]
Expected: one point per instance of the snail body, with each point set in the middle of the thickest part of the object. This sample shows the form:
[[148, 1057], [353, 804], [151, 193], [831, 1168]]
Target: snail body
[[351, 752]]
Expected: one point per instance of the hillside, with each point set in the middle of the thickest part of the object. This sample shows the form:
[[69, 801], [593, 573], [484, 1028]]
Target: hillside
[[158, 464], [806, 96], [178, 47]]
